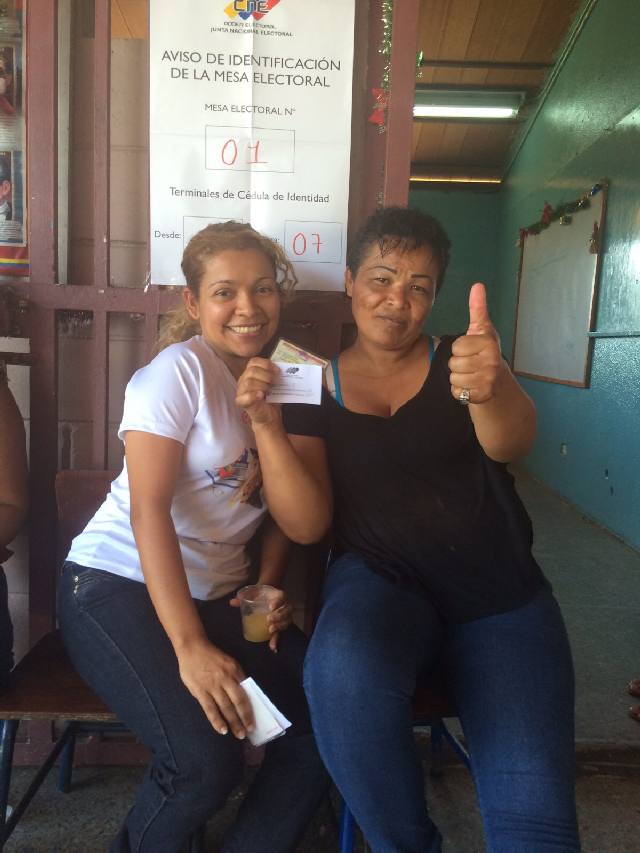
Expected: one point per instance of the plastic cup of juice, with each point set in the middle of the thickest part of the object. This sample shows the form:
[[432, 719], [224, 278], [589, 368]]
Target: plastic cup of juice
[[255, 606]]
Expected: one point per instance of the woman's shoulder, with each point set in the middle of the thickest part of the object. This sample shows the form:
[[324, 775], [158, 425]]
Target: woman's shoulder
[[182, 364], [192, 349], [165, 395], [185, 356]]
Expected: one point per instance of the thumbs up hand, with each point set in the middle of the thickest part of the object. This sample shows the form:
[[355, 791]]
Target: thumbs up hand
[[479, 320], [476, 363]]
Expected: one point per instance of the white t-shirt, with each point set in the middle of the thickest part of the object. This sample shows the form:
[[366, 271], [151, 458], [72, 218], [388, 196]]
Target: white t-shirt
[[187, 393]]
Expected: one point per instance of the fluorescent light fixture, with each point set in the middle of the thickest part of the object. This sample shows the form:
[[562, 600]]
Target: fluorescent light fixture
[[453, 179], [432, 111], [466, 104]]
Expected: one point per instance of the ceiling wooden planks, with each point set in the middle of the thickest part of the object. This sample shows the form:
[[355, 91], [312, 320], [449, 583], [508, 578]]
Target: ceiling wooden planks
[[502, 30], [485, 144], [460, 145], [552, 25], [516, 30], [459, 26], [486, 38], [492, 43]]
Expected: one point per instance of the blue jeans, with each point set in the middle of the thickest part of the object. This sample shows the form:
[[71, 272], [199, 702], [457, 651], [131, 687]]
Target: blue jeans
[[118, 645], [512, 679]]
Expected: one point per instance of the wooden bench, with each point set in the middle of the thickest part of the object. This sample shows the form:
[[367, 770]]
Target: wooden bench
[[44, 685]]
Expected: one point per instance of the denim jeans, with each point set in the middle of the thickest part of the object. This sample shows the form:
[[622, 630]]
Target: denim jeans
[[118, 645], [512, 679]]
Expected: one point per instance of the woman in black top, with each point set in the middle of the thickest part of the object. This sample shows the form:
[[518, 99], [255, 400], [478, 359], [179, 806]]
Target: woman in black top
[[433, 556]]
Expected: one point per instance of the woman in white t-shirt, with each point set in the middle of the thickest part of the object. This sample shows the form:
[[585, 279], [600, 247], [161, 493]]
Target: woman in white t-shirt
[[147, 593]]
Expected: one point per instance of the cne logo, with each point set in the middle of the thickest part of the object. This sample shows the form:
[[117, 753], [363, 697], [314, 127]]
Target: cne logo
[[245, 9], [291, 371]]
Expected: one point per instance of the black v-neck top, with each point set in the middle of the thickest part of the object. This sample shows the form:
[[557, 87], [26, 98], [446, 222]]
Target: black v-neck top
[[417, 497]]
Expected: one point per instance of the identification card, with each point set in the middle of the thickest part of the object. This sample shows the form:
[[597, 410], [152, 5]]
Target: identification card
[[298, 383], [293, 354]]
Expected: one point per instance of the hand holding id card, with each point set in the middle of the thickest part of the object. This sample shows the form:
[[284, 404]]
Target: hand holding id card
[[300, 375]]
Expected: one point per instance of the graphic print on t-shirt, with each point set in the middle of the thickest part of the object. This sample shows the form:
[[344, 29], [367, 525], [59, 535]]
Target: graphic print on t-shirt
[[243, 476]]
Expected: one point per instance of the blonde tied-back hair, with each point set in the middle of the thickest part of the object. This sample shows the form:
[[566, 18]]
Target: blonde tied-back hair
[[178, 325]]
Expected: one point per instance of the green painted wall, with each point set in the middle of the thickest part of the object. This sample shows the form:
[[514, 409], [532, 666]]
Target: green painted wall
[[471, 221], [588, 128]]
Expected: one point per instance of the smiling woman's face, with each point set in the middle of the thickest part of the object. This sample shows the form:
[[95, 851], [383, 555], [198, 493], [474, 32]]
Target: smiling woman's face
[[392, 295], [238, 305]]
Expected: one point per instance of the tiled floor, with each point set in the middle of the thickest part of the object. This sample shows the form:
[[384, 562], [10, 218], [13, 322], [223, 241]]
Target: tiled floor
[[85, 820], [597, 581]]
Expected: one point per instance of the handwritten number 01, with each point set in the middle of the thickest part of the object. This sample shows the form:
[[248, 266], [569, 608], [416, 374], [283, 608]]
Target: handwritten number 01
[[229, 153]]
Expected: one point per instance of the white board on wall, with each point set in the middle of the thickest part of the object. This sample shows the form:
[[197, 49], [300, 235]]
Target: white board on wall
[[557, 296]]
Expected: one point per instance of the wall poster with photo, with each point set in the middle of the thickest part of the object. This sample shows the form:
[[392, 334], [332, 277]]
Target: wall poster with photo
[[14, 254]]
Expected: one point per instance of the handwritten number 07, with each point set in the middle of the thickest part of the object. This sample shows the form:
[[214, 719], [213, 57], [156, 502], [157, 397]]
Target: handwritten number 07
[[299, 243]]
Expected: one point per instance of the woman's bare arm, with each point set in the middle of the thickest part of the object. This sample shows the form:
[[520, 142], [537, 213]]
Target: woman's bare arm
[[296, 482], [503, 415], [274, 554], [295, 471], [153, 463]]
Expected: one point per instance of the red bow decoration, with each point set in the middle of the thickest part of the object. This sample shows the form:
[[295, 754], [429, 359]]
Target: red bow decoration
[[381, 97], [547, 213]]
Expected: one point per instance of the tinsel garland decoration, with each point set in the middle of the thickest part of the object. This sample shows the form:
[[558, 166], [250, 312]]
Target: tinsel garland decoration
[[385, 44], [381, 93], [562, 213]]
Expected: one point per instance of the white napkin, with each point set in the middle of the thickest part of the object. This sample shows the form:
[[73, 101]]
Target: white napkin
[[269, 722]]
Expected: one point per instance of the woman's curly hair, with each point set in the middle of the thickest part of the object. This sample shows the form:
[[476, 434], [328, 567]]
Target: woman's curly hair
[[403, 228]]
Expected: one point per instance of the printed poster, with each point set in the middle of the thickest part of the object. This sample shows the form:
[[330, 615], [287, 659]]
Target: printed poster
[[14, 255], [250, 119]]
